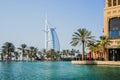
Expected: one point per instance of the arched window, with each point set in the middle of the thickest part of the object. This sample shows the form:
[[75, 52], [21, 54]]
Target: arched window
[[118, 2], [114, 28], [114, 2], [109, 3]]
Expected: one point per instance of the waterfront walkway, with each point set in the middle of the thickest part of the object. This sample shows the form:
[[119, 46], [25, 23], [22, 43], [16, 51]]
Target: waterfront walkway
[[96, 62]]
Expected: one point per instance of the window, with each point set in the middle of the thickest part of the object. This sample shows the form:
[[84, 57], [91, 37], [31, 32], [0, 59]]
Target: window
[[109, 3], [114, 2], [114, 28], [118, 2]]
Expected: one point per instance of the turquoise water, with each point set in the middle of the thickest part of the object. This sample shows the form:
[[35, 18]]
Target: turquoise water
[[56, 71]]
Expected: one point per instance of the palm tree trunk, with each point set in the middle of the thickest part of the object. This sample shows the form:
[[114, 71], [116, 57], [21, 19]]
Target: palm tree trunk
[[107, 55], [83, 52], [104, 52], [10, 56], [23, 55], [95, 55], [2, 57]]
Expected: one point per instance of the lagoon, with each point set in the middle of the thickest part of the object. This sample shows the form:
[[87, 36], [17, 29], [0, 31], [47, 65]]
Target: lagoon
[[57, 71]]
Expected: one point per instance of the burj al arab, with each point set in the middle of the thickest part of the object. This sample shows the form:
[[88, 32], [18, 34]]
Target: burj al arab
[[51, 38]]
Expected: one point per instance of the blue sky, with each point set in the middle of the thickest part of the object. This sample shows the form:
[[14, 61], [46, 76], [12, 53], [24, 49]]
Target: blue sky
[[22, 21]]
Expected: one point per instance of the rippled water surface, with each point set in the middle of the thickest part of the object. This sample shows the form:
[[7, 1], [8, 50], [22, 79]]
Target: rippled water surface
[[56, 71]]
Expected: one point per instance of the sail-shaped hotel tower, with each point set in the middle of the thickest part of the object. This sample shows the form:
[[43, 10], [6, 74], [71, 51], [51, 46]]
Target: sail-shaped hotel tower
[[51, 38]]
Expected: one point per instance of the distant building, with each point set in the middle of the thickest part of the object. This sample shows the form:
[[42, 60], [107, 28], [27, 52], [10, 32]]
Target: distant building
[[112, 27], [51, 38]]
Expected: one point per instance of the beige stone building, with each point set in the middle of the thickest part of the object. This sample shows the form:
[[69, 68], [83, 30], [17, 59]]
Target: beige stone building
[[112, 27]]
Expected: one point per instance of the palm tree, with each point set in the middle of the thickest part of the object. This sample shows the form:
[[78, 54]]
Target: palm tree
[[31, 49], [72, 53], [64, 53], [8, 48], [67, 52], [35, 53], [41, 55], [78, 55], [57, 55], [28, 54], [3, 54], [94, 48], [104, 42], [82, 36], [16, 55], [23, 49], [98, 50], [44, 51], [50, 54]]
